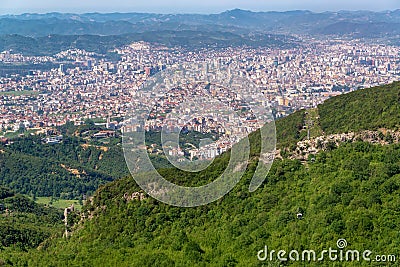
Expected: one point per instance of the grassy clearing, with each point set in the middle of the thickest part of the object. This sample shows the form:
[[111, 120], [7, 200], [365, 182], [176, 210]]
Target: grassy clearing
[[11, 135], [59, 203]]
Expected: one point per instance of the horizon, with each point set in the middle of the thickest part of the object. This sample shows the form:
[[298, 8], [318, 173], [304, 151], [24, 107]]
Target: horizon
[[197, 13]]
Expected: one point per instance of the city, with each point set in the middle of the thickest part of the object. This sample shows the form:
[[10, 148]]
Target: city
[[199, 133], [100, 90]]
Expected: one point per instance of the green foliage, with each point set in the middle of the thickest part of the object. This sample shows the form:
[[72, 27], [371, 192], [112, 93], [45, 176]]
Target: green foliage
[[25, 224], [288, 129], [28, 165], [5, 192], [366, 109], [350, 192]]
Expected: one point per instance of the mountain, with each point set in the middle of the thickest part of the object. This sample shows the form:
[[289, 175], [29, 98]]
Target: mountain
[[368, 30], [347, 190], [60, 31], [235, 21], [190, 39]]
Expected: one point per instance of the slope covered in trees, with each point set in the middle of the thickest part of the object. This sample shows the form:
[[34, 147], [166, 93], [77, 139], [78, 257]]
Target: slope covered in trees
[[25, 224], [351, 192], [67, 169], [366, 109]]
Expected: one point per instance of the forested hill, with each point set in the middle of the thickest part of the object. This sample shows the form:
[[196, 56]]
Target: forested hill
[[376, 108], [351, 191], [68, 170], [25, 224], [367, 109]]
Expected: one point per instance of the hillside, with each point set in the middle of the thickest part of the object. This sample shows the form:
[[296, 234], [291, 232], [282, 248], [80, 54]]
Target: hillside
[[376, 108], [69, 169], [102, 44], [349, 191], [367, 109], [25, 224]]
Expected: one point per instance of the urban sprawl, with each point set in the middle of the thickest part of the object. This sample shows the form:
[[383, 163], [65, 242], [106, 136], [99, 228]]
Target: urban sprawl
[[97, 89]]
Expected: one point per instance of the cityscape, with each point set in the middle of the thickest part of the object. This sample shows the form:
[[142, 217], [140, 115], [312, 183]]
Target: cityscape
[[102, 90], [213, 133]]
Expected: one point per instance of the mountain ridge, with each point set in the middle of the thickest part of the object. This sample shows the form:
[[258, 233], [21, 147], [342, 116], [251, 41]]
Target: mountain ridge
[[291, 22]]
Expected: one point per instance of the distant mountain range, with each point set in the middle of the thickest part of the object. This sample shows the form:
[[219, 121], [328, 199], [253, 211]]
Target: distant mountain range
[[102, 32], [102, 44], [359, 23]]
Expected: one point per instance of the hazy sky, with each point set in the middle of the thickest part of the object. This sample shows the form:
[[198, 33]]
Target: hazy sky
[[190, 6]]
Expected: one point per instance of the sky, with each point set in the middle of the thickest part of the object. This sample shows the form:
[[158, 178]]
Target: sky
[[189, 6]]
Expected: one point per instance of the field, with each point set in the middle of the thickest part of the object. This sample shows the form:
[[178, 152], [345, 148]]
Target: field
[[11, 134], [59, 203]]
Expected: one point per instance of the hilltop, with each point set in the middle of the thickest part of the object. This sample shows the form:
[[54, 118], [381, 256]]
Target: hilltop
[[348, 190]]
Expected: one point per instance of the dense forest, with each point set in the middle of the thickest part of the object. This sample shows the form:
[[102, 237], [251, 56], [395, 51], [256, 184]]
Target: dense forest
[[368, 109], [25, 224], [350, 191], [68, 169]]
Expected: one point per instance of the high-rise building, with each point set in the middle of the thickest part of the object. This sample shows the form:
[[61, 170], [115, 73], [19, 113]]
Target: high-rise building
[[62, 68]]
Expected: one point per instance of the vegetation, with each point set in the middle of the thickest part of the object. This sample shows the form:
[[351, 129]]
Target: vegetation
[[19, 93], [288, 130], [25, 224], [102, 44], [67, 170], [351, 191], [71, 169], [59, 203], [366, 109]]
